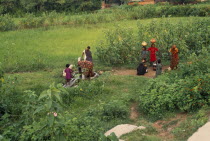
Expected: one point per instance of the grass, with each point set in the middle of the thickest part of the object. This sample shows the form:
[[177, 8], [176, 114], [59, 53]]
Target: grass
[[191, 124], [45, 49], [40, 49], [37, 81], [124, 89], [44, 53], [120, 88], [116, 88], [171, 129]]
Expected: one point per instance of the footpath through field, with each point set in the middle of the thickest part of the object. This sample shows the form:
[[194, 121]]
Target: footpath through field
[[150, 74]]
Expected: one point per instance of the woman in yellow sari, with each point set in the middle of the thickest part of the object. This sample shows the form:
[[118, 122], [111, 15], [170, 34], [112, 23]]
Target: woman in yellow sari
[[174, 57]]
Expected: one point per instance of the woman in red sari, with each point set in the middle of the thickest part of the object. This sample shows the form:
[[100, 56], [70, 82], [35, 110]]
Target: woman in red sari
[[174, 57], [152, 51]]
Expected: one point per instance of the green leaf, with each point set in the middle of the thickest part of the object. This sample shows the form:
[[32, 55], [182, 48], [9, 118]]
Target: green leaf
[[49, 93], [43, 94], [48, 104], [38, 110], [60, 137], [57, 96], [1, 137], [51, 119]]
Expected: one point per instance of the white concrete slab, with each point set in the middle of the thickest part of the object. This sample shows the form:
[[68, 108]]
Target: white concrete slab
[[119, 130]]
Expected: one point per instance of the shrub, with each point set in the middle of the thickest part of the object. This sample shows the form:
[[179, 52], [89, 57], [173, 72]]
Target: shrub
[[45, 117], [6, 23], [184, 90], [32, 22], [113, 110]]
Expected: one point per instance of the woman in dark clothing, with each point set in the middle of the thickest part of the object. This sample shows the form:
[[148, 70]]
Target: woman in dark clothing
[[87, 54], [141, 70]]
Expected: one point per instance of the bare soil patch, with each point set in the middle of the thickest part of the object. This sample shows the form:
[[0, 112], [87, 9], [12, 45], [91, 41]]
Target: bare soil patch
[[134, 114], [150, 74], [164, 128]]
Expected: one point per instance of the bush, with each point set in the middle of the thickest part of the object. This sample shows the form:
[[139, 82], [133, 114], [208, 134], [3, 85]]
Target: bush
[[32, 22], [6, 23], [113, 110], [186, 89], [45, 116]]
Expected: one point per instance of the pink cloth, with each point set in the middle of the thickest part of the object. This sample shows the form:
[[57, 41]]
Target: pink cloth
[[68, 72]]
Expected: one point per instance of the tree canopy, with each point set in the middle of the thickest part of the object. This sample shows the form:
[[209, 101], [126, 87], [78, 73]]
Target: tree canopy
[[16, 6]]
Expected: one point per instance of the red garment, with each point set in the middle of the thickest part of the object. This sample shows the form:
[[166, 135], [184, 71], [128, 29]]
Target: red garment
[[152, 51]]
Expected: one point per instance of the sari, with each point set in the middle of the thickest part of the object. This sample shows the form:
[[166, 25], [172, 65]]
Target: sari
[[88, 67], [174, 58]]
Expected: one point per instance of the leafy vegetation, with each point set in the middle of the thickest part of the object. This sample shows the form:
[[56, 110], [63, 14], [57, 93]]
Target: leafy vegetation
[[86, 111], [53, 18], [49, 50], [186, 89], [57, 113], [121, 46], [42, 114], [23, 6]]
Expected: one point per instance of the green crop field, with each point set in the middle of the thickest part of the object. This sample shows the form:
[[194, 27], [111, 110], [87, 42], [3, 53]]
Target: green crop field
[[39, 49], [36, 106]]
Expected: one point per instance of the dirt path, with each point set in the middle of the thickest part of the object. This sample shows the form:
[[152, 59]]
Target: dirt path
[[150, 73], [164, 127], [134, 114]]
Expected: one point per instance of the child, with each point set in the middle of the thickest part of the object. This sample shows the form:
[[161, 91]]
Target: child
[[68, 72], [158, 68]]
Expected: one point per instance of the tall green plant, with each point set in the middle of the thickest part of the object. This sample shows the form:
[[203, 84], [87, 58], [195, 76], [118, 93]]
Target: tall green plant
[[122, 46]]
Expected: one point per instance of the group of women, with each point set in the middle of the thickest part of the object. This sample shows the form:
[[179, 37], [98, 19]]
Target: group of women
[[156, 63], [87, 63], [85, 67]]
